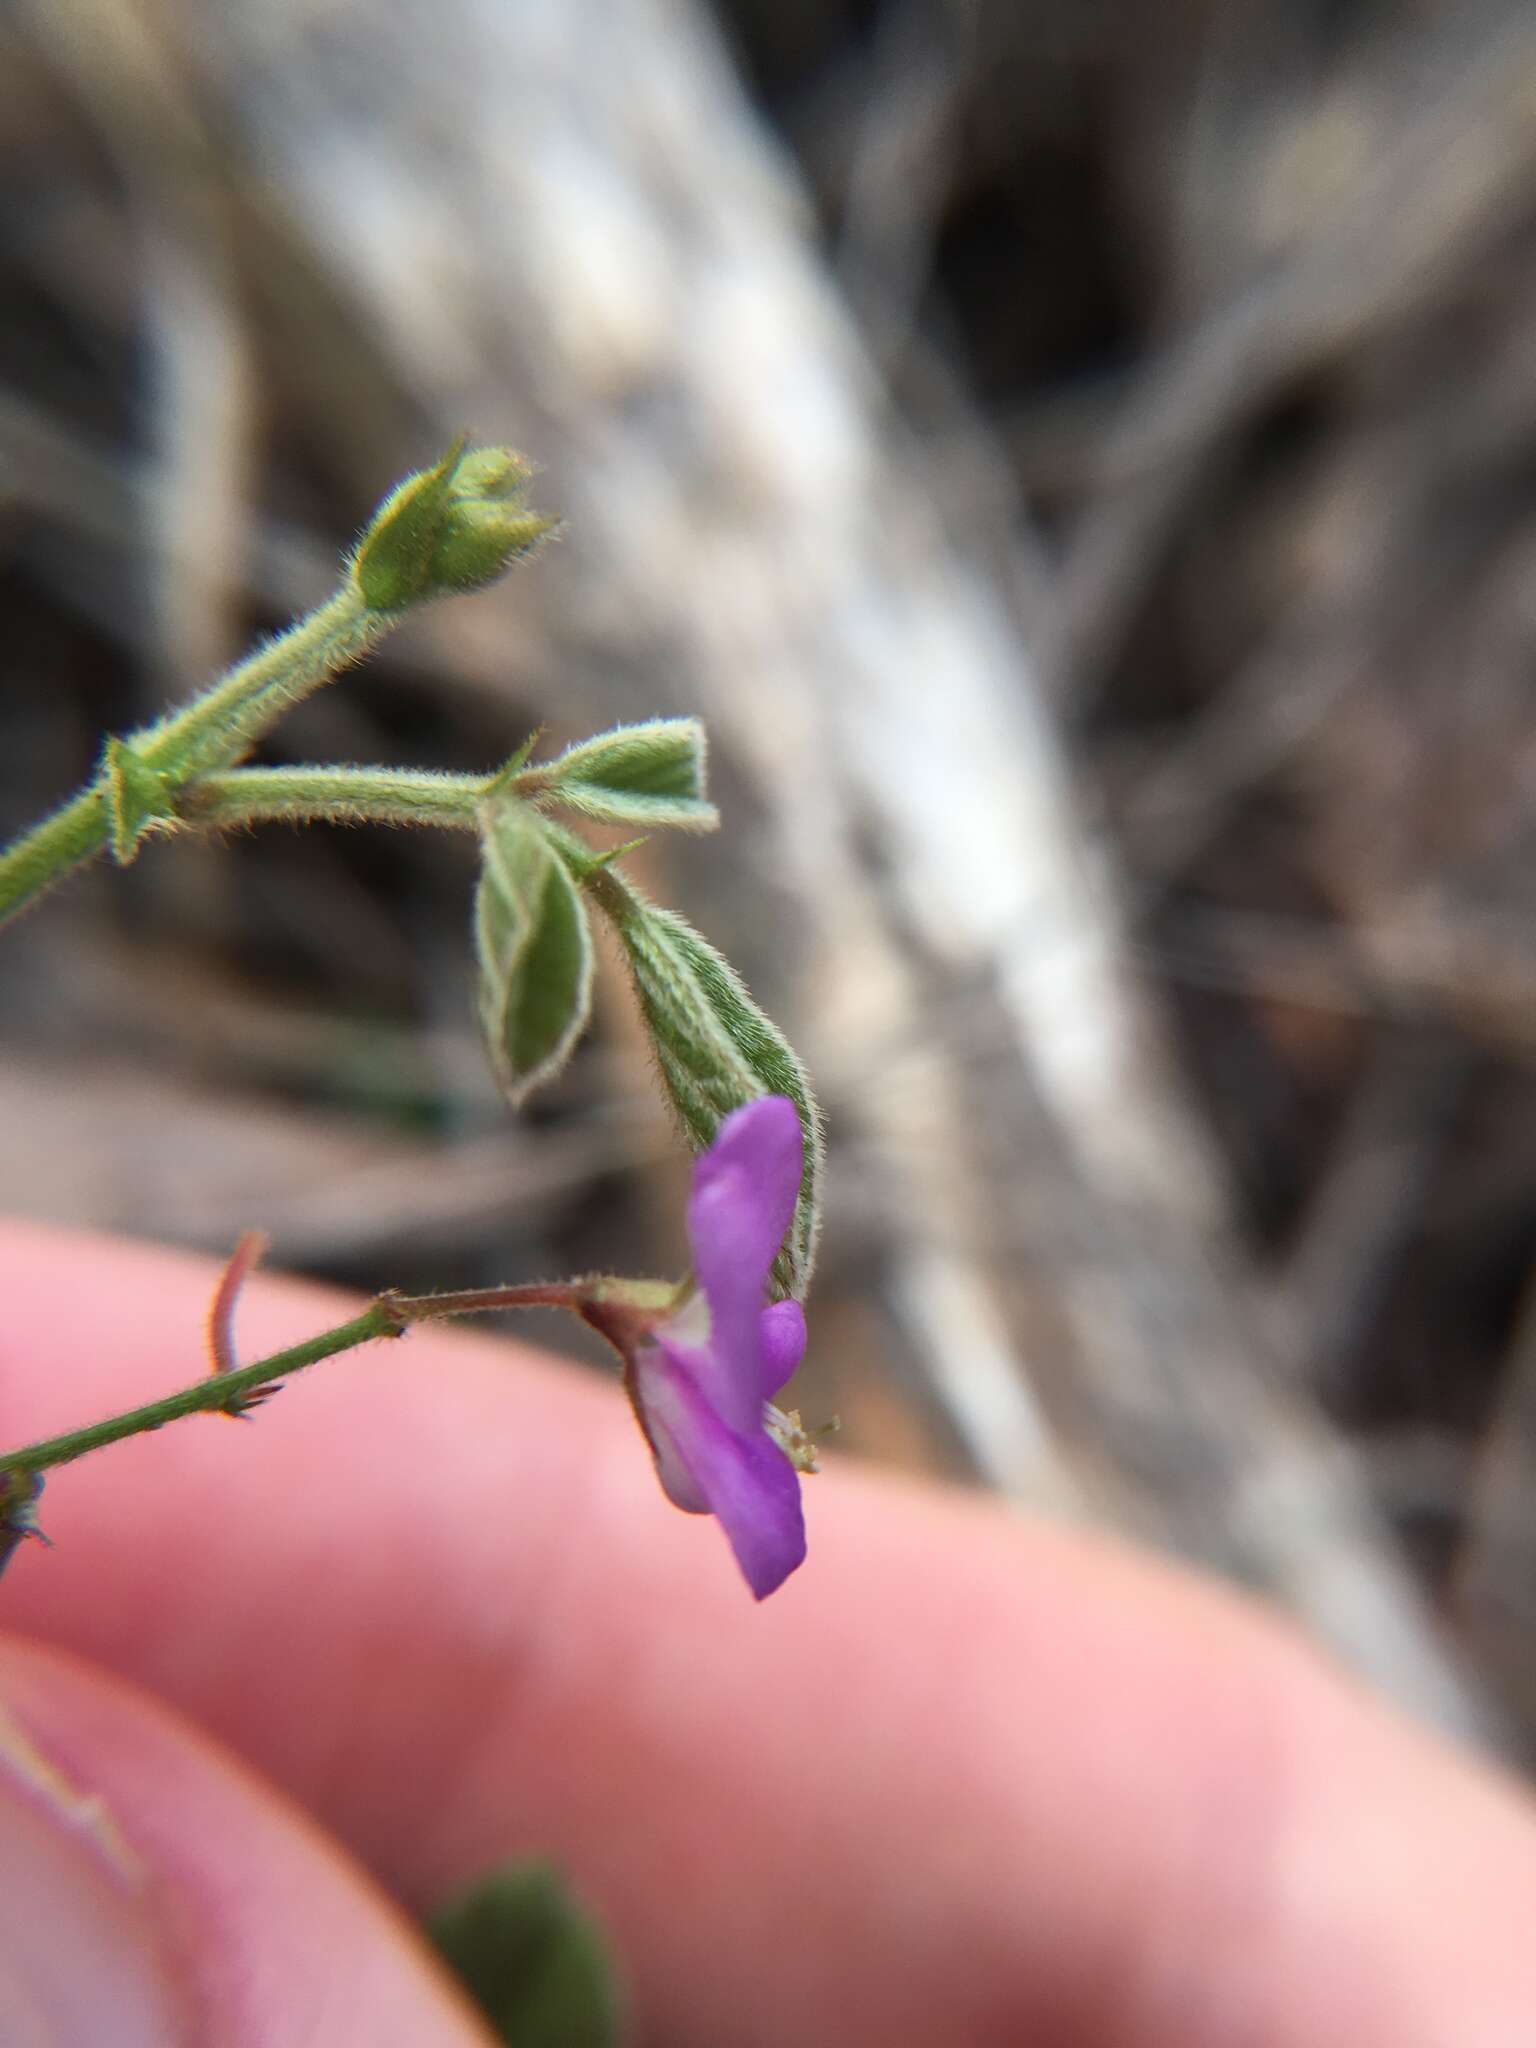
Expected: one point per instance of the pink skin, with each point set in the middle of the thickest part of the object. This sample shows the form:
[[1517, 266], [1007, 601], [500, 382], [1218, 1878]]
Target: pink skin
[[965, 1779], [154, 1892]]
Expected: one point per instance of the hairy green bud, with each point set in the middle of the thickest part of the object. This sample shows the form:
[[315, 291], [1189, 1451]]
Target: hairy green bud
[[455, 527]]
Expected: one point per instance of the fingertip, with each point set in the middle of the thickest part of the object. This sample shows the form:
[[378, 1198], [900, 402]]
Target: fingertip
[[155, 1894]]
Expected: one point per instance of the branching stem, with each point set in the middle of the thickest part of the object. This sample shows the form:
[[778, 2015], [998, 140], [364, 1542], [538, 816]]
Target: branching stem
[[213, 731]]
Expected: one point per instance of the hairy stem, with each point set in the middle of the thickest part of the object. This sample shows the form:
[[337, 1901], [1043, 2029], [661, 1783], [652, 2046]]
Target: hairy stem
[[213, 1391], [69, 838], [391, 1315], [215, 729], [428, 1308], [350, 796]]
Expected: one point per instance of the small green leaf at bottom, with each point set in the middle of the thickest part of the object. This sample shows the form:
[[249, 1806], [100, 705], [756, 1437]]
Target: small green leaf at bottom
[[531, 1959]]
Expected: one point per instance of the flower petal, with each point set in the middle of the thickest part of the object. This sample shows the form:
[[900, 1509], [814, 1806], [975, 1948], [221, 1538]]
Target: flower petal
[[781, 1334], [746, 1481], [744, 1190], [652, 1404], [762, 1142]]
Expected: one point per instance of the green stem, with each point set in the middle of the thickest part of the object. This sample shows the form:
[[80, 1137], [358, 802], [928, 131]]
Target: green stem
[[623, 1312], [218, 727], [391, 1315], [595, 872], [69, 838], [610, 893], [353, 796], [470, 1301], [211, 732], [213, 1391]]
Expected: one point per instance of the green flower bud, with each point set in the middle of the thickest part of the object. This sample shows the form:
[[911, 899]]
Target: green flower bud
[[452, 528]]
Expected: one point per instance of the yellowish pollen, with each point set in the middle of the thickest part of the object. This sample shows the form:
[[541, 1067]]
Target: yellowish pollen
[[793, 1438]]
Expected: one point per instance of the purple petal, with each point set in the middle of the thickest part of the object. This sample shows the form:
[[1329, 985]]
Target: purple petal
[[763, 1140], [745, 1480], [648, 1392], [744, 1191], [781, 1334]]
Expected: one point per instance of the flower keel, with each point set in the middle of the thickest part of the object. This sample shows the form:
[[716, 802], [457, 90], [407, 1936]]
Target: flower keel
[[744, 1480]]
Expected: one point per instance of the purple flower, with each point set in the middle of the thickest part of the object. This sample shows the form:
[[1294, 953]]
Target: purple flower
[[702, 1380]]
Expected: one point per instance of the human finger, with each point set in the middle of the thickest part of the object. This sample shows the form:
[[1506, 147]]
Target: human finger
[[964, 1779], [154, 1893]]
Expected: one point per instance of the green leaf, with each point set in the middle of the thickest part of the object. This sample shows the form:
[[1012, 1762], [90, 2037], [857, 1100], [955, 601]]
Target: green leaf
[[648, 774], [531, 1959], [534, 948], [714, 1047]]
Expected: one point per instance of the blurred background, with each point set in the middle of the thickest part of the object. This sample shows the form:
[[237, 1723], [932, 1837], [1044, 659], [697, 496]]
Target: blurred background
[[1081, 462]]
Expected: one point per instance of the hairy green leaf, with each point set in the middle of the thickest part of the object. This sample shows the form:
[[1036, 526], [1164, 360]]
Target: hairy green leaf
[[534, 949], [648, 774], [715, 1048]]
